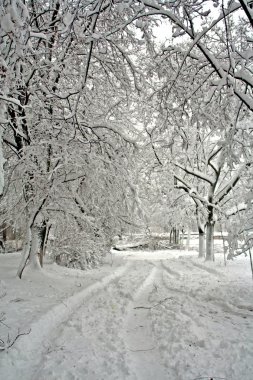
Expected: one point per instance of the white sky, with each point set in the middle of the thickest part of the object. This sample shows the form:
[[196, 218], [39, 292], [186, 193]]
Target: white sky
[[163, 32]]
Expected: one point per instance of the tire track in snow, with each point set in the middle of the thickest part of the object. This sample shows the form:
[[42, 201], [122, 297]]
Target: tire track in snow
[[142, 350], [91, 341], [183, 302], [227, 307], [170, 271], [230, 308], [179, 329], [189, 325], [207, 269], [29, 348], [215, 306]]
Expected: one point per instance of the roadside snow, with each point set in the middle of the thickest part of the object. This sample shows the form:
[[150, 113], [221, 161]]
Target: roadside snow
[[149, 315]]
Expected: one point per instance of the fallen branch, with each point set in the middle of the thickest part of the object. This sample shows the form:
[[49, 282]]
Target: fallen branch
[[157, 304], [10, 342], [123, 247], [209, 378], [148, 349]]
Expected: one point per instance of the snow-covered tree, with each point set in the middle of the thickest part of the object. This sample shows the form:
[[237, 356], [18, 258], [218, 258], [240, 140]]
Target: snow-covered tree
[[67, 85]]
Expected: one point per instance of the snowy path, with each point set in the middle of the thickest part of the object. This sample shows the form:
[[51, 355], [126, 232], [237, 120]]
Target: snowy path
[[143, 356], [93, 337], [153, 318]]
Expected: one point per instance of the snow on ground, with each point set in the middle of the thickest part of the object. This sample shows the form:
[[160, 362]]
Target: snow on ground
[[147, 315]]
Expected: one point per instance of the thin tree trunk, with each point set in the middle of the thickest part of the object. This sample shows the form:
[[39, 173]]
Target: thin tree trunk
[[177, 237], [34, 252], [209, 241], [44, 231], [2, 160], [201, 231], [182, 240], [188, 240], [4, 227], [31, 246], [25, 253], [171, 235], [201, 243], [224, 248]]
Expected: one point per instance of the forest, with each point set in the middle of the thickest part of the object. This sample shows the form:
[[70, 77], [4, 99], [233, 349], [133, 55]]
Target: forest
[[121, 116]]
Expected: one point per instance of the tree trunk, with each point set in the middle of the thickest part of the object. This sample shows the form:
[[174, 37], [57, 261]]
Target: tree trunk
[[178, 234], [30, 250], [209, 241], [25, 253], [171, 231], [43, 234], [201, 230], [2, 160], [174, 236], [34, 252], [201, 243], [188, 240], [4, 227], [31, 246]]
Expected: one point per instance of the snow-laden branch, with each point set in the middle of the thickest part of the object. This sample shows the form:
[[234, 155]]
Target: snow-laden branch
[[11, 100], [229, 186], [247, 10], [130, 64], [244, 77], [214, 154], [38, 35], [213, 61], [200, 35], [236, 209], [115, 128], [189, 190], [195, 173], [193, 193]]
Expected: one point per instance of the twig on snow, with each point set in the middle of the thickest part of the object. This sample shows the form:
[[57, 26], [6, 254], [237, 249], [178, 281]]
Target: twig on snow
[[209, 378], [157, 304], [148, 349], [9, 343]]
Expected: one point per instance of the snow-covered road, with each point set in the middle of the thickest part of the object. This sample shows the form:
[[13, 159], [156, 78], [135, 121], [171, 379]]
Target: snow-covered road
[[156, 316]]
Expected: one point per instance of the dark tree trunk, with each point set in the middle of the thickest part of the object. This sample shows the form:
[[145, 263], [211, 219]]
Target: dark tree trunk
[[201, 243], [209, 239]]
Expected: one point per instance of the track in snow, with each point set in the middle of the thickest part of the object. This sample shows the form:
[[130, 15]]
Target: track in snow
[[143, 355], [151, 319], [30, 348], [93, 337]]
